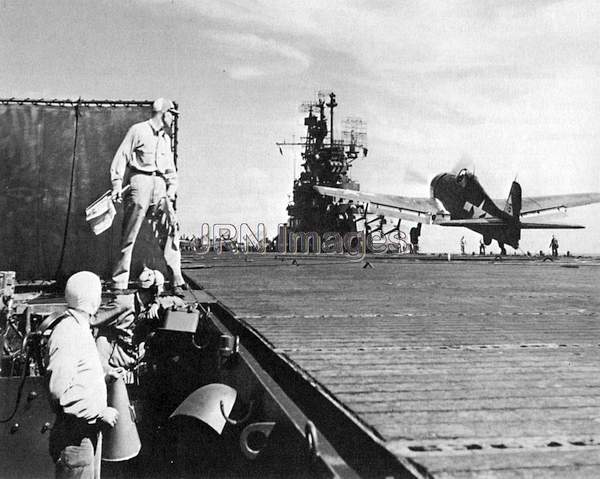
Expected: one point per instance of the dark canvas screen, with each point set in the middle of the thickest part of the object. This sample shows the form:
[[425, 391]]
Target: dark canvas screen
[[54, 162]]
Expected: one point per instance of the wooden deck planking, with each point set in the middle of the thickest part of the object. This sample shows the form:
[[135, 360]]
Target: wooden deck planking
[[440, 353], [524, 462]]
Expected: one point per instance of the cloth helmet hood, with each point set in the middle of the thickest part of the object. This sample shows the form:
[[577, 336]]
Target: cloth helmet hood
[[146, 278], [84, 292]]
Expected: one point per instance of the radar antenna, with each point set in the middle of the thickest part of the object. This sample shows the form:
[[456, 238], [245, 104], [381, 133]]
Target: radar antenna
[[354, 134]]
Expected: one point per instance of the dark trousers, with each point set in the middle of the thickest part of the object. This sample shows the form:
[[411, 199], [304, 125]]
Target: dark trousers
[[75, 448]]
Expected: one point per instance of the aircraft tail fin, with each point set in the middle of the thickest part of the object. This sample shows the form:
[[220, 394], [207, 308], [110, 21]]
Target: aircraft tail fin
[[513, 202]]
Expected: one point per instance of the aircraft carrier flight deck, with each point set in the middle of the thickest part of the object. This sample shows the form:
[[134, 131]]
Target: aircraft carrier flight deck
[[427, 368]]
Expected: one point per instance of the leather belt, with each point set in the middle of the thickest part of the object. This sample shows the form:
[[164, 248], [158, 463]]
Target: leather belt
[[148, 173]]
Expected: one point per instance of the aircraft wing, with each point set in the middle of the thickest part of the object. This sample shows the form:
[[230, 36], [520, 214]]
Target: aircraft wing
[[480, 222], [420, 210], [536, 205], [495, 222], [431, 211]]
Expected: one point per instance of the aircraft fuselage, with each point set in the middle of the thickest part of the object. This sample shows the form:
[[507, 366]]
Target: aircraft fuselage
[[464, 198]]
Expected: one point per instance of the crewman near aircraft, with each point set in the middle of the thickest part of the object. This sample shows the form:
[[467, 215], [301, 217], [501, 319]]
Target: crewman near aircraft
[[554, 245], [76, 382], [481, 247], [462, 245], [144, 161], [415, 232]]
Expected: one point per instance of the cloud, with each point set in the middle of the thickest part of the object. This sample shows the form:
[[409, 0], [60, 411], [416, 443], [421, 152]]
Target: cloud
[[458, 62], [248, 55]]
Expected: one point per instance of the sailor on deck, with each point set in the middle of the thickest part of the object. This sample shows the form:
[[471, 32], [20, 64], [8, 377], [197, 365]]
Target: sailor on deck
[[554, 245], [145, 162], [76, 382], [123, 324]]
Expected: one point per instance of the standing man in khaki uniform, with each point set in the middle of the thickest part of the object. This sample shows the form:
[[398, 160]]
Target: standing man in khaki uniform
[[144, 161]]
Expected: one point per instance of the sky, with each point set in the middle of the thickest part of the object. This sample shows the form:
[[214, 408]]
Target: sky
[[509, 88]]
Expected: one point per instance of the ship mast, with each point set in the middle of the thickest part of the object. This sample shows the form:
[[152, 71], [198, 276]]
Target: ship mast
[[332, 104]]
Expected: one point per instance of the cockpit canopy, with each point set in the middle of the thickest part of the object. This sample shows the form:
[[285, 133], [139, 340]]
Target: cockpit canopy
[[464, 176]]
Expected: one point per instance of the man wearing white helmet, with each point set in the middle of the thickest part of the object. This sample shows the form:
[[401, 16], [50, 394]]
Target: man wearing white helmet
[[145, 162], [124, 323], [76, 382]]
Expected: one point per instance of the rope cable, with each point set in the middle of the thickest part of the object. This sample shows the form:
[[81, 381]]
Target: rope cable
[[20, 389], [71, 188]]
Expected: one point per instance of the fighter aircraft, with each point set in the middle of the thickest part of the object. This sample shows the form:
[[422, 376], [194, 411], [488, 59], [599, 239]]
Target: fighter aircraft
[[460, 200]]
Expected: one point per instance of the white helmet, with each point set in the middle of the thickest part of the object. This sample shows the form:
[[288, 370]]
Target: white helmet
[[150, 277], [146, 278], [83, 292]]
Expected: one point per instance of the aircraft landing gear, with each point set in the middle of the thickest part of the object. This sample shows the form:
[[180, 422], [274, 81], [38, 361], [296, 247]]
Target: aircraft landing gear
[[502, 248], [370, 230]]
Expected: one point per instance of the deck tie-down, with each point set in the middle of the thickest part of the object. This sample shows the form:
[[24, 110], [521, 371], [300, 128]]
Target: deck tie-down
[[498, 444], [450, 347], [579, 312]]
